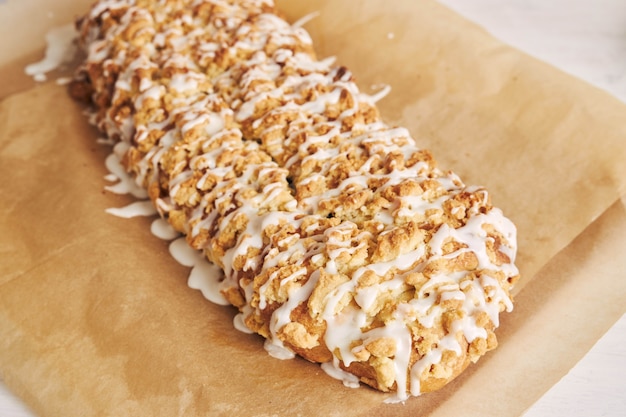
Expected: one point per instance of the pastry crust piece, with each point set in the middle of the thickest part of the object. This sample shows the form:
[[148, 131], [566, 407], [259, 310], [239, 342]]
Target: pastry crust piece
[[339, 238]]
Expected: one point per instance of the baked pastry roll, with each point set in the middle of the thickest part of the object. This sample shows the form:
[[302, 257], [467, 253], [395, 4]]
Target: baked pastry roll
[[340, 239]]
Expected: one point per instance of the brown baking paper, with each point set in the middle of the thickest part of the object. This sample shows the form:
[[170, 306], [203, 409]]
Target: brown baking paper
[[96, 317]]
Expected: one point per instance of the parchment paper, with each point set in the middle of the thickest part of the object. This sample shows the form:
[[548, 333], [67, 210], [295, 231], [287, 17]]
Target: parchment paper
[[96, 318]]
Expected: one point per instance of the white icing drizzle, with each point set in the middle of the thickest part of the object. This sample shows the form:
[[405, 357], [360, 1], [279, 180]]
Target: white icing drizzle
[[204, 276], [60, 49], [382, 93], [125, 184], [63, 80], [276, 350], [163, 230], [135, 209], [207, 278], [305, 19], [239, 324], [332, 370]]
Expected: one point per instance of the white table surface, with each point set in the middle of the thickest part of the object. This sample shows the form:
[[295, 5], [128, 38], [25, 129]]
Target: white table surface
[[586, 38]]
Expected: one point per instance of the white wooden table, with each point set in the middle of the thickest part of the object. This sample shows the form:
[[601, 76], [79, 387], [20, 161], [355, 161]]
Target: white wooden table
[[586, 38]]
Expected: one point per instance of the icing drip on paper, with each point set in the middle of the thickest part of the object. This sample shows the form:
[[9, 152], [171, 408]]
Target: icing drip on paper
[[349, 380], [136, 209], [163, 230], [60, 49], [204, 276]]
